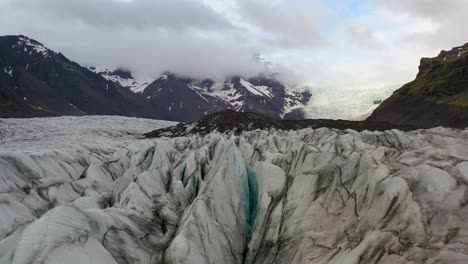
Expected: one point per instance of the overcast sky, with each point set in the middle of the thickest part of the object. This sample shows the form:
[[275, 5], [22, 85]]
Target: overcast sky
[[333, 44]]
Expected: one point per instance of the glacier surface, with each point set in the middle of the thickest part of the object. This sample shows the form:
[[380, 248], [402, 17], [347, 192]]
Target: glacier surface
[[92, 190]]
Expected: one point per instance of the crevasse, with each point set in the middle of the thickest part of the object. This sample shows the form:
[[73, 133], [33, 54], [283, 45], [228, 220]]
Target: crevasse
[[249, 192], [149, 159], [183, 177], [250, 198]]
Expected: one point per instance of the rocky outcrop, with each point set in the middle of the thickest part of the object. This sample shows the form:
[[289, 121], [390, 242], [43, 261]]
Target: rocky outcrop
[[437, 97], [230, 121]]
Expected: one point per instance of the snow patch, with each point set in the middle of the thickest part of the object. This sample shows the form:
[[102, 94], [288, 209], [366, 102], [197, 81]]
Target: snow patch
[[8, 70], [250, 87], [136, 86], [35, 46]]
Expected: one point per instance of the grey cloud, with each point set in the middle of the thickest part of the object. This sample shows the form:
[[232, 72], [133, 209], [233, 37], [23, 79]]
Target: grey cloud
[[447, 17], [289, 24], [148, 37], [151, 36], [423, 8], [178, 15], [362, 37]]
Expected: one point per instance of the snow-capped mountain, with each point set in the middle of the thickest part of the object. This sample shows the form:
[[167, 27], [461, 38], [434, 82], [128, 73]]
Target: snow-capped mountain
[[186, 99], [123, 77], [189, 99], [93, 190], [36, 81]]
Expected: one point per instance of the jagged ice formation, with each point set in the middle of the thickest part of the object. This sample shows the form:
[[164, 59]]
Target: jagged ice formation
[[306, 196]]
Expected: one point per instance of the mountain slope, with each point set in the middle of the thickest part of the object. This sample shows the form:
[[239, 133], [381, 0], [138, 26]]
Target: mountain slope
[[177, 99], [36, 81], [437, 97], [50, 84], [187, 99]]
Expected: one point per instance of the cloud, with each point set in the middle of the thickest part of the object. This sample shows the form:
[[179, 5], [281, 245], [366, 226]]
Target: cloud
[[423, 8], [362, 37], [190, 37], [288, 24], [146, 36], [429, 25], [137, 14]]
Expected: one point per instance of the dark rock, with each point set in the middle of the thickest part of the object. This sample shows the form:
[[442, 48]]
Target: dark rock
[[123, 73], [235, 122]]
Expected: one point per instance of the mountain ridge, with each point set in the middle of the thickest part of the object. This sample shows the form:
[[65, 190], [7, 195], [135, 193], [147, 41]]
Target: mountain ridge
[[437, 97], [170, 92], [36, 81], [50, 84]]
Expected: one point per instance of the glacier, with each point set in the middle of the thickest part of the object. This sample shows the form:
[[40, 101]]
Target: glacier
[[93, 190]]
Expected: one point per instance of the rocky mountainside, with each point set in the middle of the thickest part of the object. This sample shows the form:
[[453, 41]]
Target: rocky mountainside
[[186, 99], [437, 97], [36, 81], [92, 190]]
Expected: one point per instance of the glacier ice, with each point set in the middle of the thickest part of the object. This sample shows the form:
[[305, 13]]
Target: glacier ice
[[93, 191]]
